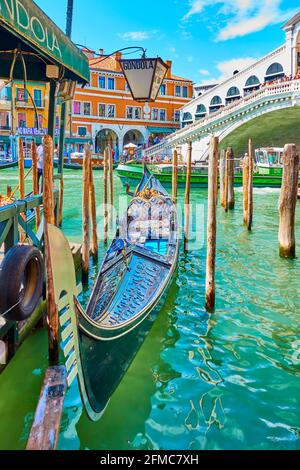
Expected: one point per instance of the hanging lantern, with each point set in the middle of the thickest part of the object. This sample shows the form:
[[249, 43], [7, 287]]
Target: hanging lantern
[[144, 77]]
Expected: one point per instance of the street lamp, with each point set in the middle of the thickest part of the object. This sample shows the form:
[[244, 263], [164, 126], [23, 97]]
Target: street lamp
[[144, 77]]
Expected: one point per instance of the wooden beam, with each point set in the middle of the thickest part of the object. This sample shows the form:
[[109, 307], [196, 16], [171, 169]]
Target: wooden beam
[[86, 215], [187, 196], [45, 429]]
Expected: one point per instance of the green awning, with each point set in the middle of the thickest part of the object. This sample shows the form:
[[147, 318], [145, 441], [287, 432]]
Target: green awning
[[78, 140], [24, 20], [161, 130]]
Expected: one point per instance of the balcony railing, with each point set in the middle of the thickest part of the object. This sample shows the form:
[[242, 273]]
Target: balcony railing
[[28, 104]]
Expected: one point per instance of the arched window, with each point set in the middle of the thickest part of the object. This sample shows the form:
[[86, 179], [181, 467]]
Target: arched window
[[274, 72], [187, 119], [215, 100], [215, 104], [233, 91], [200, 112], [252, 81]]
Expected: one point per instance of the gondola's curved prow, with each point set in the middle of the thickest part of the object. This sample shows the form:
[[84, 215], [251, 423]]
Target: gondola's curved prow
[[65, 289]]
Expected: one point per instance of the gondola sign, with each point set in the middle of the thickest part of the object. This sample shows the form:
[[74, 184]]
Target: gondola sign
[[144, 77]]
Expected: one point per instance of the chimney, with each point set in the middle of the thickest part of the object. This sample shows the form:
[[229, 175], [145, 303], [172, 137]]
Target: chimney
[[101, 51], [169, 72], [118, 56]]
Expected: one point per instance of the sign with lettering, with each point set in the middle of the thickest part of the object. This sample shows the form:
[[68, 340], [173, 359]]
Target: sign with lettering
[[24, 18], [144, 77], [33, 131]]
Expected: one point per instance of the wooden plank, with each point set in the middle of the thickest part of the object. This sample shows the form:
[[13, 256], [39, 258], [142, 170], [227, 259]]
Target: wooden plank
[[45, 429]]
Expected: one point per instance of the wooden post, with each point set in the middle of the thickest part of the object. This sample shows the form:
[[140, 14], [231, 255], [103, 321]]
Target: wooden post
[[35, 184], [246, 186], [46, 425], [21, 169], [8, 191], [212, 224], [86, 216], [105, 194], [230, 175], [93, 208], [287, 202], [111, 184], [48, 203], [187, 197], [226, 190], [250, 187], [222, 178], [175, 177]]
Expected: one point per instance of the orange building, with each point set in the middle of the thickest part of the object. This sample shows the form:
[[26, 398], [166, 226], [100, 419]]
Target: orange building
[[104, 112]]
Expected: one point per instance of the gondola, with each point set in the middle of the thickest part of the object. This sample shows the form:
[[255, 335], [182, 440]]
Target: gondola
[[128, 293]]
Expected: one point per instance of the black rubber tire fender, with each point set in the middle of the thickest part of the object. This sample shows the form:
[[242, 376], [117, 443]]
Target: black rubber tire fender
[[21, 282]]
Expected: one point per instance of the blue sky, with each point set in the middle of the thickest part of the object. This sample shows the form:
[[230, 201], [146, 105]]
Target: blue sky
[[205, 39]]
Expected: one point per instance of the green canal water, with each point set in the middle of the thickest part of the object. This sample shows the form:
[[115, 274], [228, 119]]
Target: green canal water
[[225, 381]]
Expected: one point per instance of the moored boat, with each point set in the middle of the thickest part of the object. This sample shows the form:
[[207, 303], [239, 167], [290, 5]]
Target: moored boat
[[268, 161], [132, 172], [130, 288]]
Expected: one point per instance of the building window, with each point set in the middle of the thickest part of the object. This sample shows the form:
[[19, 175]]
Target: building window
[[185, 91], [155, 112], [38, 123], [37, 96], [87, 109], [101, 110], [76, 107], [22, 95], [274, 72], [177, 90], [163, 90], [4, 121], [111, 83], [111, 109], [252, 81], [162, 114], [129, 112], [82, 131], [21, 120], [102, 82], [177, 116], [200, 112], [215, 104], [137, 113], [5, 94], [57, 122], [233, 94]]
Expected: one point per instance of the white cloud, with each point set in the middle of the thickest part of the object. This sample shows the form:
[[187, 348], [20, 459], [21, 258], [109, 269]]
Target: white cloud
[[135, 35], [227, 67], [242, 17], [204, 72]]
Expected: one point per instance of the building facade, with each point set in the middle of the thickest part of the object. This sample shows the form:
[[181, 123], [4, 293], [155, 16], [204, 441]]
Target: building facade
[[104, 112], [19, 117], [280, 64]]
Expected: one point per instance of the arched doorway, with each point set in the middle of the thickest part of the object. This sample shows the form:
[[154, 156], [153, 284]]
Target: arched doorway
[[133, 137], [105, 138]]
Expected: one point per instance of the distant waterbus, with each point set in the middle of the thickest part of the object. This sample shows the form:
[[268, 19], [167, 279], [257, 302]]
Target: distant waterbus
[[268, 160]]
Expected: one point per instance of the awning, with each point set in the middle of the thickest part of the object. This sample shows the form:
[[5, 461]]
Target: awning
[[78, 140], [161, 130], [24, 20]]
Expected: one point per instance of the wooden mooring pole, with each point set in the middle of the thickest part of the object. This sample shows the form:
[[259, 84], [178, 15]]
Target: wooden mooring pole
[[93, 208], [105, 195], [230, 176], [212, 224], [175, 177], [287, 202], [86, 216], [187, 197], [245, 186], [111, 185], [222, 169], [21, 169], [48, 203], [35, 184], [249, 219]]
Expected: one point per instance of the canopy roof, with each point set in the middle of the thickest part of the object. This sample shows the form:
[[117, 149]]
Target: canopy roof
[[24, 26]]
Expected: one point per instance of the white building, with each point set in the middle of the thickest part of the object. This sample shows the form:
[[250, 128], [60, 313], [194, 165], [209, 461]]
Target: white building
[[278, 64]]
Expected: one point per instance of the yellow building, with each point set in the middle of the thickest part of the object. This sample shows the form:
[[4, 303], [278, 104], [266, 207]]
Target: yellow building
[[23, 113]]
